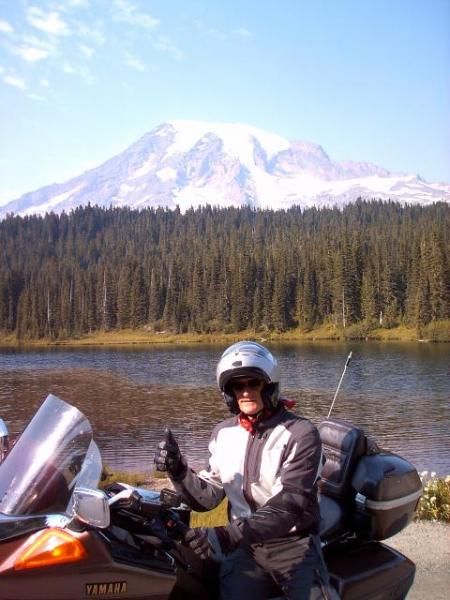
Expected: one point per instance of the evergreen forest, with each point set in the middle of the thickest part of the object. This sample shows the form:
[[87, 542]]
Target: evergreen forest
[[370, 264]]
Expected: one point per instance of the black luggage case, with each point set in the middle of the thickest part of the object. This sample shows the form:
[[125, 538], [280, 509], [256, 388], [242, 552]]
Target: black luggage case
[[368, 571], [388, 489]]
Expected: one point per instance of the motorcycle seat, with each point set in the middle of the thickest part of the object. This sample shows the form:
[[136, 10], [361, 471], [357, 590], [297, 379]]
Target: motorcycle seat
[[343, 445], [332, 519]]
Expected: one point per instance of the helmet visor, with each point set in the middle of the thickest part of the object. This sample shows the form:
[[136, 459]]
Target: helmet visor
[[244, 372]]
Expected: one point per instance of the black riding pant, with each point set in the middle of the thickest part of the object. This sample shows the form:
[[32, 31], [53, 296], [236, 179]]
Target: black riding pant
[[294, 566]]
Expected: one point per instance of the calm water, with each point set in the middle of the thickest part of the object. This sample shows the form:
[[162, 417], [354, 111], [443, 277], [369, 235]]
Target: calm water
[[396, 392]]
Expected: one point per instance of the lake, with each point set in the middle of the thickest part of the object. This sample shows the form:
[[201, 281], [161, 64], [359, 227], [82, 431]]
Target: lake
[[398, 393]]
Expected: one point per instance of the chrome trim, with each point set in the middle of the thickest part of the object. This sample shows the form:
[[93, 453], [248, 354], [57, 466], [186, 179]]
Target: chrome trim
[[395, 503]]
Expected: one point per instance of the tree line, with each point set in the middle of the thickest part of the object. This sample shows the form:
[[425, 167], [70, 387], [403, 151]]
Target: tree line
[[223, 269]]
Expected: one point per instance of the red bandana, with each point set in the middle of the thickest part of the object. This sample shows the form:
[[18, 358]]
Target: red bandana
[[251, 424], [287, 402]]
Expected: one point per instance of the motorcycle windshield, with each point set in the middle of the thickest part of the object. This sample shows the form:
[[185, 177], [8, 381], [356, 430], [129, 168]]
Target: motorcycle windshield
[[54, 453]]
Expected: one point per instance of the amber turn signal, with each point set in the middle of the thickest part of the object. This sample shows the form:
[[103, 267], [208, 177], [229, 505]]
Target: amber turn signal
[[50, 547]]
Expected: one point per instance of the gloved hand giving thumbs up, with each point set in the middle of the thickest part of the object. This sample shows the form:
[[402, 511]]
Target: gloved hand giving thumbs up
[[168, 457]]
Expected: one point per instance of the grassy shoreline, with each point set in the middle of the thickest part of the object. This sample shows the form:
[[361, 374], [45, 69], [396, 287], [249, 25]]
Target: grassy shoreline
[[436, 332]]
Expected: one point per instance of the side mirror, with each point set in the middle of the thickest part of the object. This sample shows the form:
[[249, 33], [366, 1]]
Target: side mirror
[[91, 507], [4, 440]]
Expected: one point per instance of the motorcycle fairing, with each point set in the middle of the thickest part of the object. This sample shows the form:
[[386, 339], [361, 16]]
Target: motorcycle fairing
[[11, 527], [54, 453]]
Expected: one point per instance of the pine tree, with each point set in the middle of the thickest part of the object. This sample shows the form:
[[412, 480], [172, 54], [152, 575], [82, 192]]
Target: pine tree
[[198, 299], [214, 269], [307, 297], [438, 276], [154, 297], [138, 298], [106, 302]]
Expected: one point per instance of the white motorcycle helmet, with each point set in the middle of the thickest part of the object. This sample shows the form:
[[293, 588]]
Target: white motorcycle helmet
[[248, 359]]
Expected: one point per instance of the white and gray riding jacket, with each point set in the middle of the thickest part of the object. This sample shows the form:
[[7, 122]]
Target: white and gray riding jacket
[[268, 476]]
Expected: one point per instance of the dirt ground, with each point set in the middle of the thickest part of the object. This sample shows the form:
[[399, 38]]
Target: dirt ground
[[428, 545]]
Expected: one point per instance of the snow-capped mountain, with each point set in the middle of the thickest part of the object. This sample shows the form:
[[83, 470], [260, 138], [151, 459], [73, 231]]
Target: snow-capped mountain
[[191, 163]]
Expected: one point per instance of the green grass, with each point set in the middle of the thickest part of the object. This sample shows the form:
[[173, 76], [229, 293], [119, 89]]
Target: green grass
[[438, 331], [135, 478]]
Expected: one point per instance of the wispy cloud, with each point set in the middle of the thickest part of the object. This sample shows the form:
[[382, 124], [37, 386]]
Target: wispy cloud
[[243, 32], [165, 45], [127, 12], [6, 27], [30, 53], [77, 3], [50, 22], [94, 33], [32, 48], [134, 62], [218, 34], [37, 97], [86, 51], [68, 68], [66, 6], [71, 38], [80, 71], [15, 81], [208, 30]]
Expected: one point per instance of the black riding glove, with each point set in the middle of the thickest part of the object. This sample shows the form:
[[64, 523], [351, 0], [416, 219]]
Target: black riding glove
[[168, 457], [212, 542], [197, 540]]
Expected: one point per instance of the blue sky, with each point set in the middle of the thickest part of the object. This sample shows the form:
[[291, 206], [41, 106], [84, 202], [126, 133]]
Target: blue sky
[[80, 80]]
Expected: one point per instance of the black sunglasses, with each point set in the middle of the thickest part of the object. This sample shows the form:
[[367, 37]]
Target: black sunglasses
[[252, 384]]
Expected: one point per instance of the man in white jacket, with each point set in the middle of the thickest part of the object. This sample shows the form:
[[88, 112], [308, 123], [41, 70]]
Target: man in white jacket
[[266, 460]]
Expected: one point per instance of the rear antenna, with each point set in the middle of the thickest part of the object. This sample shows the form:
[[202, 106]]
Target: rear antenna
[[347, 362]]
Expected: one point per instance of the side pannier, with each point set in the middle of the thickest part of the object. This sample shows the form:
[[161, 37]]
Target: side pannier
[[387, 491]]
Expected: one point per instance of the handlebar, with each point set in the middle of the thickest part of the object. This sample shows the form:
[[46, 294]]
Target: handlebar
[[165, 515]]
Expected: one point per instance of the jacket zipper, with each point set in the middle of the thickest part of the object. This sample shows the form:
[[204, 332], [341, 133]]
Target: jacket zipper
[[252, 463]]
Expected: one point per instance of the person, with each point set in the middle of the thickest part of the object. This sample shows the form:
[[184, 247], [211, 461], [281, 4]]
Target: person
[[266, 461]]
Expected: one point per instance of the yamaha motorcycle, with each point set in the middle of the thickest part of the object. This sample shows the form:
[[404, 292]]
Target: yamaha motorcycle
[[63, 538]]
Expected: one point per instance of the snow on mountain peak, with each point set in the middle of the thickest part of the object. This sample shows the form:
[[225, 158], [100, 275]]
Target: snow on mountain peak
[[193, 163], [235, 137]]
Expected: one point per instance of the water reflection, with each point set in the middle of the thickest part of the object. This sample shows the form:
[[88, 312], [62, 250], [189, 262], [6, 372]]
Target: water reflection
[[130, 395]]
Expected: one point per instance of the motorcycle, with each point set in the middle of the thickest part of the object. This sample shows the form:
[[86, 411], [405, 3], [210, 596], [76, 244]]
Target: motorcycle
[[63, 538], [4, 440]]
